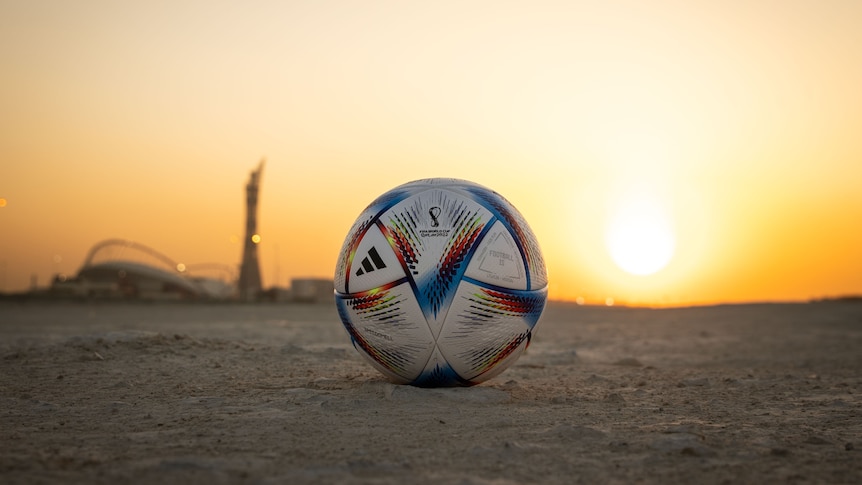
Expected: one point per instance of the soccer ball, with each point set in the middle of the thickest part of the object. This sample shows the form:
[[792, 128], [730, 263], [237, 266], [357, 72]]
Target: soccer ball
[[440, 282]]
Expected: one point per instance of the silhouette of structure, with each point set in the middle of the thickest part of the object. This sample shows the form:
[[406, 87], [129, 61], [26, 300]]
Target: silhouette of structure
[[123, 269], [249, 284], [118, 268]]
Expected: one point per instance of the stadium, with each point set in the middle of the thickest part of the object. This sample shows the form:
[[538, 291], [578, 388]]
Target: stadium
[[124, 269], [118, 268]]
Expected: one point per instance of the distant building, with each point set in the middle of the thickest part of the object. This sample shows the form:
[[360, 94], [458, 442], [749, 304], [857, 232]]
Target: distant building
[[249, 271], [311, 290]]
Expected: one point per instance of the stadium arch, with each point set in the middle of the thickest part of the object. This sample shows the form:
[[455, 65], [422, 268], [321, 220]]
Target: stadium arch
[[120, 268]]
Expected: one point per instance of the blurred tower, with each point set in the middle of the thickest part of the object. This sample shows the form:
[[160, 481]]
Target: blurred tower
[[249, 270]]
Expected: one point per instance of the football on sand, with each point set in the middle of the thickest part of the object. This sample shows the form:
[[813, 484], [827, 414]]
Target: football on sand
[[440, 282]]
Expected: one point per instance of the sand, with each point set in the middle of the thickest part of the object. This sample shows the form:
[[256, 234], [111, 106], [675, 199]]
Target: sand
[[136, 393]]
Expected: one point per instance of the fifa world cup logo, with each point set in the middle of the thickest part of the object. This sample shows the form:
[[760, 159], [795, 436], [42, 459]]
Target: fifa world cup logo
[[434, 212]]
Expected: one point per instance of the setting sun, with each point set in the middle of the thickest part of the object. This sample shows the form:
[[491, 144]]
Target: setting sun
[[639, 237]]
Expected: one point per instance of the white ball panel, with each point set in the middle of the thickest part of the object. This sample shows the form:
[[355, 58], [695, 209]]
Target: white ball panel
[[479, 336], [388, 327], [497, 260], [374, 263]]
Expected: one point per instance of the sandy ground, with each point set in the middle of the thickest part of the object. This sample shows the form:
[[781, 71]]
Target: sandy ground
[[94, 393]]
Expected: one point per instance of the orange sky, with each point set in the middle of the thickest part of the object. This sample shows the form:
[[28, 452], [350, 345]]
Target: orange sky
[[740, 122]]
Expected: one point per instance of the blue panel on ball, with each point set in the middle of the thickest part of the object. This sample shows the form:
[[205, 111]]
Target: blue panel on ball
[[435, 232], [440, 376]]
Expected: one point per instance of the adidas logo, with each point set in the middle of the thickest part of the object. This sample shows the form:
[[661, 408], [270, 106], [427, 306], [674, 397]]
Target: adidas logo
[[370, 265]]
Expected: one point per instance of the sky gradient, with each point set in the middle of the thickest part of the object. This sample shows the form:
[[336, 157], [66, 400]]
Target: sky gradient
[[740, 123]]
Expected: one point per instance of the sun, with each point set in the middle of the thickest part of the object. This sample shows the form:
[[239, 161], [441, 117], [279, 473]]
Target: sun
[[639, 236]]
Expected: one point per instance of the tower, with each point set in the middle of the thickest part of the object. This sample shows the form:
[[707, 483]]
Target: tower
[[249, 270]]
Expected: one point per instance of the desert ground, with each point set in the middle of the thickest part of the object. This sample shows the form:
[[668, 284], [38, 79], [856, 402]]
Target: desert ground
[[193, 393]]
